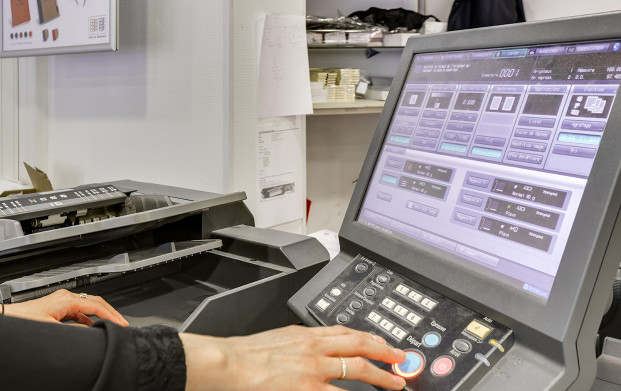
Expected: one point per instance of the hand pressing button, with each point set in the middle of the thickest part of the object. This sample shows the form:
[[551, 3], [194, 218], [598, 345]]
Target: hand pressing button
[[412, 366]]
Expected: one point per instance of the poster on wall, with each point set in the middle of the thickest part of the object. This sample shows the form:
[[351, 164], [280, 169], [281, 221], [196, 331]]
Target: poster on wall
[[279, 171], [45, 27]]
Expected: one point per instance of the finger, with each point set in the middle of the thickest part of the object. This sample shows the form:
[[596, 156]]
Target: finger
[[80, 319], [360, 369], [91, 307], [110, 309], [353, 345], [330, 387], [341, 330], [330, 331]]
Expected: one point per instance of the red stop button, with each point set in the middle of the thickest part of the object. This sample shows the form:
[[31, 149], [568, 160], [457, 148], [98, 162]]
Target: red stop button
[[442, 366]]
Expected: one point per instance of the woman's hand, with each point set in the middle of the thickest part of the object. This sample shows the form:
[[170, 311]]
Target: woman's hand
[[291, 358], [64, 305]]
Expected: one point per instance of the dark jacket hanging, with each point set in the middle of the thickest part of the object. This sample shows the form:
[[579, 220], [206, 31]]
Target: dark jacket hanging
[[467, 14]]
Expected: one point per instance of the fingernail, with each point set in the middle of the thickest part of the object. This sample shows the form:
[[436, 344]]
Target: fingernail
[[399, 382]]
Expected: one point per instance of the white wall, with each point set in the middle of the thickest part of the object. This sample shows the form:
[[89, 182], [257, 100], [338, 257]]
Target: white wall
[[154, 111], [549, 9], [9, 130]]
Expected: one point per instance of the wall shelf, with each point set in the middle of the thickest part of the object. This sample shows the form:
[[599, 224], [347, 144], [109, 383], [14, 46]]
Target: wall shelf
[[342, 47], [359, 106]]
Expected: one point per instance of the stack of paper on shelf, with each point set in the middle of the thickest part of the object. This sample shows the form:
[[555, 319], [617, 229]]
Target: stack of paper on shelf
[[346, 76], [341, 93], [339, 84], [319, 94], [322, 75]]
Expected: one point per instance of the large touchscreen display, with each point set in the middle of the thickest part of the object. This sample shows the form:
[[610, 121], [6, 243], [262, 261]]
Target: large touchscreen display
[[488, 153]]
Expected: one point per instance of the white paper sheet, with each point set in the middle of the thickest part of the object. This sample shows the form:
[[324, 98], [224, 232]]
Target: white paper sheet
[[279, 171], [6, 185], [284, 81], [330, 240]]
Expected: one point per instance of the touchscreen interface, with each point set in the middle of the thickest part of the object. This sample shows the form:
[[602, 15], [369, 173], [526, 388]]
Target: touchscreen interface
[[488, 153]]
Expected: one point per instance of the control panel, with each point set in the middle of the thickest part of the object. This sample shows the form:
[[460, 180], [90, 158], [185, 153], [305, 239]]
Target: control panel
[[448, 346]]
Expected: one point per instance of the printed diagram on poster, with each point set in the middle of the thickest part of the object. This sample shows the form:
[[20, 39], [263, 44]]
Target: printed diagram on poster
[[32, 27], [283, 83], [279, 171]]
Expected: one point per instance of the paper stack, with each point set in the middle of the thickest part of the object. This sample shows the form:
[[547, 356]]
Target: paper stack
[[347, 76], [339, 83], [319, 94], [324, 76], [341, 93]]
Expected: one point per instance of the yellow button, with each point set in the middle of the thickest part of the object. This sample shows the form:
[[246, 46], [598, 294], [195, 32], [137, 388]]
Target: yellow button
[[478, 329]]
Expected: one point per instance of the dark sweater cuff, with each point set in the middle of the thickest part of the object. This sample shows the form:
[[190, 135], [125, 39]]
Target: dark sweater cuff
[[161, 359]]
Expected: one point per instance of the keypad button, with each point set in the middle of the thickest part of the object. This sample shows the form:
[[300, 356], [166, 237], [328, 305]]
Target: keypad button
[[462, 346], [374, 317], [415, 296], [428, 303], [404, 290], [342, 318], [361, 267], [414, 318], [442, 366], [388, 303], [336, 292], [386, 325], [399, 333], [355, 305], [401, 310], [383, 278], [369, 292], [323, 304]]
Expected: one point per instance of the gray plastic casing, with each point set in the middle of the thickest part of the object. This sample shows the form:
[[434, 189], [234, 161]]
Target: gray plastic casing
[[555, 340]]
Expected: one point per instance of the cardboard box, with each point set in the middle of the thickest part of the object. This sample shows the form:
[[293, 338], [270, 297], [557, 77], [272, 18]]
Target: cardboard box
[[335, 38], [359, 38], [39, 179], [313, 38], [397, 39]]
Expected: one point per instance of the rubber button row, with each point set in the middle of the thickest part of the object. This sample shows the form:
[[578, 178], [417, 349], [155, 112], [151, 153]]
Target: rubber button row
[[417, 297], [387, 326], [404, 312]]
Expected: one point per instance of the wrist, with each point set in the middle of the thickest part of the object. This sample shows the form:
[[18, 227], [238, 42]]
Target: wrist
[[208, 366]]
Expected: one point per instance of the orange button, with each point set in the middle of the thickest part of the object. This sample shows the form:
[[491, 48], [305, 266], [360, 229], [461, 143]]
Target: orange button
[[412, 366]]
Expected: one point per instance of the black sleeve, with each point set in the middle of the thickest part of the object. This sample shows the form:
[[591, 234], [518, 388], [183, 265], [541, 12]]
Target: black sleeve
[[47, 356], [467, 14]]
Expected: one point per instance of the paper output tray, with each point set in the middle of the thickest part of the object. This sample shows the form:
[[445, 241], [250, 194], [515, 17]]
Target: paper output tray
[[213, 293]]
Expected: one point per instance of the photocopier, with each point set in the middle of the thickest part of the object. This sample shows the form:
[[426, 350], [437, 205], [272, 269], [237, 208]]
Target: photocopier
[[159, 254]]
